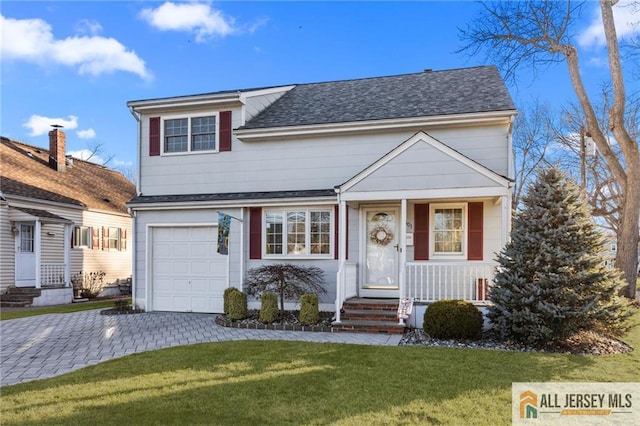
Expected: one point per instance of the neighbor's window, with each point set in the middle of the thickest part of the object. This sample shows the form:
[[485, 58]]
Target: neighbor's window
[[448, 230], [82, 236], [114, 238], [298, 232], [190, 134]]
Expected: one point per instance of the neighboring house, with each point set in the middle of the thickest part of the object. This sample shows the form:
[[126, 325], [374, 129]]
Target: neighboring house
[[60, 216], [395, 186]]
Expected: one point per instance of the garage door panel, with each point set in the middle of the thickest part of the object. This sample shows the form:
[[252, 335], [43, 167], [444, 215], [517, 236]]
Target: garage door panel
[[188, 273]]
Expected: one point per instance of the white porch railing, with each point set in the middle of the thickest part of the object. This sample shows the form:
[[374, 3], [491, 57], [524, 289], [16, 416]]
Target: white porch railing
[[431, 281], [346, 287], [52, 274]]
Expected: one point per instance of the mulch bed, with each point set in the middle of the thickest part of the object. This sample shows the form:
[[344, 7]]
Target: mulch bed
[[288, 321]]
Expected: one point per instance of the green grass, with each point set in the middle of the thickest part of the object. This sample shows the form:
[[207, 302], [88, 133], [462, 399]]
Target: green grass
[[279, 383], [60, 309]]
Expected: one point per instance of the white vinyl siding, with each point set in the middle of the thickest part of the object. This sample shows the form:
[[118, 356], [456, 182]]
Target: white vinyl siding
[[313, 162]]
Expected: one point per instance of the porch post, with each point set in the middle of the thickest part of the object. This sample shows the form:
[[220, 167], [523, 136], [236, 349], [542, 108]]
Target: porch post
[[67, 254], [37, 251], [342, 255], [403, 250]]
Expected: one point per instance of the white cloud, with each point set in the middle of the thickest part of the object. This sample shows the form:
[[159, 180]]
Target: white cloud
[[40, 125], [86, 134], [32, 40], [201, 19], [626, 17], [87, 155], [86, 26]]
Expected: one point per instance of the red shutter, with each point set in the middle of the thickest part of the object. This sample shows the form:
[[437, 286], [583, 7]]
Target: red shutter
[[421, 232], [225, 130], [154, 136], [105, 238], [255, 233], [474, 235], [123, 240], [95, 238]]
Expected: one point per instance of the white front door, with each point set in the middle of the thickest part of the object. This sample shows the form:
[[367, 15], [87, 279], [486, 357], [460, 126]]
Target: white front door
[[381, 255], [25, 255]]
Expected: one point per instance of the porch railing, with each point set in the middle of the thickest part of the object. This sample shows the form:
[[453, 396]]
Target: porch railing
[[433, 281], [52, 274], [346, 287]]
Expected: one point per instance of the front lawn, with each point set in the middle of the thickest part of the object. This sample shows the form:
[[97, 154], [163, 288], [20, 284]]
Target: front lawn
[[275, 382], [7, 314]]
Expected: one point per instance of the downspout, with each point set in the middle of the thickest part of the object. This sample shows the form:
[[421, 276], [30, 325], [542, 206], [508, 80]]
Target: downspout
[[132, 213]]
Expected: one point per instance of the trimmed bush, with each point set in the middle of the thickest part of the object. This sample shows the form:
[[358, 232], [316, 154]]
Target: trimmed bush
[[453, 319], [268, 307], [237, 305], [309, 313], [227, 292]]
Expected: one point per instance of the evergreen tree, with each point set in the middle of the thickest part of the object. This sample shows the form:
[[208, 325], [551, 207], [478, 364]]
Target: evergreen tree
[[551, 282]]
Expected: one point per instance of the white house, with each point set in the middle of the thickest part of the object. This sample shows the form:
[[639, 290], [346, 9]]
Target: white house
[[59, 217], [395, 186]]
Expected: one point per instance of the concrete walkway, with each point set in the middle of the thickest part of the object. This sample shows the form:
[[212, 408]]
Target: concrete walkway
[[49, 345]]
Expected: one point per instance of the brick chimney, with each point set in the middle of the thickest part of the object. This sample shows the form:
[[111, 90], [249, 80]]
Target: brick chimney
[[57, 148]]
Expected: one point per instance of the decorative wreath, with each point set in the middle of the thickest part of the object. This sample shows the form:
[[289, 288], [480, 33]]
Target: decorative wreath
[[381, 235]]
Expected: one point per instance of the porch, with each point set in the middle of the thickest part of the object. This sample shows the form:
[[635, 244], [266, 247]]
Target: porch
[[427, 282]]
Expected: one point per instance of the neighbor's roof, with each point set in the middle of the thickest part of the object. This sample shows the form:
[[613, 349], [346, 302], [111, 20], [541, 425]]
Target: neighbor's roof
[[430, 93], [25, 172]]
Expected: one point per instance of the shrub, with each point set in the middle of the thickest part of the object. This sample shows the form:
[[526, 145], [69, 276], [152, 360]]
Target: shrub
[[237, 305], [88, 284], [227, 293], [121, 305], [309, 313], [286, 280], [268, 307], [453, 319]]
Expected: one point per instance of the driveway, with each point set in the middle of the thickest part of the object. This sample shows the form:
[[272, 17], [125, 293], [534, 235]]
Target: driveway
[[49, 345]]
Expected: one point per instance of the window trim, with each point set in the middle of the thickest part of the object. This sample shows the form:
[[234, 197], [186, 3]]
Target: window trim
[[462, 255], [307, 210], [81, 228], [189, 150], [117, 238]]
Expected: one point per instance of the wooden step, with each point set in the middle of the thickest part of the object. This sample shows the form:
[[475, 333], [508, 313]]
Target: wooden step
[[364, 315]]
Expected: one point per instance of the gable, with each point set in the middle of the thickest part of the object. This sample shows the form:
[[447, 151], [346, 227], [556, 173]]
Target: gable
[[422, 162]]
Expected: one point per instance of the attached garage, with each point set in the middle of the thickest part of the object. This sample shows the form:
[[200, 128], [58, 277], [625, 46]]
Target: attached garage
[[187, 273]]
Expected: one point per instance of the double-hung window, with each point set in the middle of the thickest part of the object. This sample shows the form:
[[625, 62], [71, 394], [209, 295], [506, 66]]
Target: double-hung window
[[298, 232], [82, 236], [190, 134], [114, 238], [448, 233]]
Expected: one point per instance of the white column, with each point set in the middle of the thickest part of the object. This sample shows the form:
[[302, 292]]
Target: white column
[[403, 251], [37, 251], [68, 230]]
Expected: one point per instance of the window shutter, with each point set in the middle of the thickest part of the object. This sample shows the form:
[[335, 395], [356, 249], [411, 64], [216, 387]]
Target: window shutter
[[225, 131], [255, 233], [105, 238], [73, 233], [474, 235], [95, 238], [154, 136], [421, 232], [123, 240]]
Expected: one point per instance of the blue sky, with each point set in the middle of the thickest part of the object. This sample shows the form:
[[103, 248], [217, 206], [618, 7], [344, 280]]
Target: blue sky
[[77, 63]]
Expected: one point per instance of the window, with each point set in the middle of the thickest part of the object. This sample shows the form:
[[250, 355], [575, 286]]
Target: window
[[26, 238], [82, 236], [190, 134], [298, 232], [448, 231], [114, 239]]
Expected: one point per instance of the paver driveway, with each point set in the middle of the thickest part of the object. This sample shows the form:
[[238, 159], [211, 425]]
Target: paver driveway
[[44, 346]]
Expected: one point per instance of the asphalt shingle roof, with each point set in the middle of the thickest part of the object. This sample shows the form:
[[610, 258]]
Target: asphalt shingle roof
[[430, 93], [25, 172]]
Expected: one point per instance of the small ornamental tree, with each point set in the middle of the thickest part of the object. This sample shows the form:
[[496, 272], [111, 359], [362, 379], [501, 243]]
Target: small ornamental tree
[[286, 280], [551, 282]]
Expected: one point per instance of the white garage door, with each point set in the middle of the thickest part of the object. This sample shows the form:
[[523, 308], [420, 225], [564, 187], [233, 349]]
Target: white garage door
[[188, 273]]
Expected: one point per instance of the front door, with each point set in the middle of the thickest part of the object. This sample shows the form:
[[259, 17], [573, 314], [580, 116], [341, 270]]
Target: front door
[[25, 255], [380, 266]]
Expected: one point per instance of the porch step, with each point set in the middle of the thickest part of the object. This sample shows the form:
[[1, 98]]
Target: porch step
[[19, 297], [362, 315]]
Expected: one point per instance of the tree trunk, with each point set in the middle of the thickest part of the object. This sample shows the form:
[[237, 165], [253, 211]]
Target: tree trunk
[[627, 254]]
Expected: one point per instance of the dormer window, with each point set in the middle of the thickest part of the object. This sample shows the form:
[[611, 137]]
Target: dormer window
[[190, 134]]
